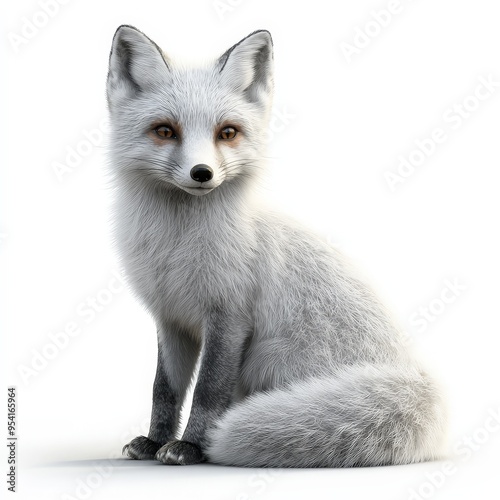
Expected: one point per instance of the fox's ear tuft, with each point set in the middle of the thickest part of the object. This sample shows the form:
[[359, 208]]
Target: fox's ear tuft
[[248, 65], [136, 63]]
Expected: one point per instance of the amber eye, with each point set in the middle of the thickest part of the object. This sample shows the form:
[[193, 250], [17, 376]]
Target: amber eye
[[165, 132], [228, 133]]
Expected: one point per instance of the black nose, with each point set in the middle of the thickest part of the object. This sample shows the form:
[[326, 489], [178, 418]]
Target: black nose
[[201, 173]]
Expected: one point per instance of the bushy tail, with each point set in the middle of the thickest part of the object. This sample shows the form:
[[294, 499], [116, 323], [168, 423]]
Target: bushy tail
[[362, 416]]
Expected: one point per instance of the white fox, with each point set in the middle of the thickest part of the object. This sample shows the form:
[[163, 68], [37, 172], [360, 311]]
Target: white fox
[[300, 365]]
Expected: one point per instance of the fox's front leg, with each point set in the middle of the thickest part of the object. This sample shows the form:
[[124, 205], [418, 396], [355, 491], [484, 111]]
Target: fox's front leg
[[223, 339], [177, 354]]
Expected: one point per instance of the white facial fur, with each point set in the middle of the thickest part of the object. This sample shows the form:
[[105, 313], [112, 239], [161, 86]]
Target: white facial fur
[[145, 88]]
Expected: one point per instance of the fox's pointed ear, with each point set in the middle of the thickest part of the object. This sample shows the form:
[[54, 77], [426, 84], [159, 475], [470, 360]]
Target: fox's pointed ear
[[136, 63], [248, 65]]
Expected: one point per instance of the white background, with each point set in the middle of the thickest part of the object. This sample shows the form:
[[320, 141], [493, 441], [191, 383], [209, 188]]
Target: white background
[[346, 123]]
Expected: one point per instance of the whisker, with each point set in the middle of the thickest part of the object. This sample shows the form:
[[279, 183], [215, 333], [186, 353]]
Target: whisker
[[161, 165]]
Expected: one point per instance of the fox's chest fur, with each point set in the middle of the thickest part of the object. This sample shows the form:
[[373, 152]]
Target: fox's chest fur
[[183, 258]]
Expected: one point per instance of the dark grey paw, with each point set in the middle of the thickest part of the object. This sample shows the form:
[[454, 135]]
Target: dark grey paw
[[179, 453], [141, 448]]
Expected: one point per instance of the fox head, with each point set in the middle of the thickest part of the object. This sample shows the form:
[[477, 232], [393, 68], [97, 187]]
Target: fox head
[[189, 128]]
